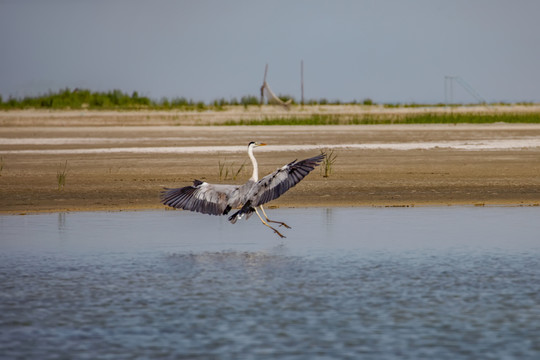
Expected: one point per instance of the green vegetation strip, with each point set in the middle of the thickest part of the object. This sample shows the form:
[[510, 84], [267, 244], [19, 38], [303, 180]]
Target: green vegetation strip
[[115, 100], [118, 100], [428, 118]]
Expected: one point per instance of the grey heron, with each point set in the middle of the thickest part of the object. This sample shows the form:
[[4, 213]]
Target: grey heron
[[220, 199]]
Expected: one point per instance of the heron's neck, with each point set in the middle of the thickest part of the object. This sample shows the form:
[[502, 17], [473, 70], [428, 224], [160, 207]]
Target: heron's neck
[[255, 176]]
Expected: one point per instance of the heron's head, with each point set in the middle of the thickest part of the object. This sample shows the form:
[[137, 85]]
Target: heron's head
[[255, 144]]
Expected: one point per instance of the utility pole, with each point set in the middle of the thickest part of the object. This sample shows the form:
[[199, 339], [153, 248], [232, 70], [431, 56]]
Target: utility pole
[[302, 81], [263, 85], [449, 89]]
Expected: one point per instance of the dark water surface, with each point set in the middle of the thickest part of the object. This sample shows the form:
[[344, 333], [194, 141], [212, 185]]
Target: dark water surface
[[434, 283]]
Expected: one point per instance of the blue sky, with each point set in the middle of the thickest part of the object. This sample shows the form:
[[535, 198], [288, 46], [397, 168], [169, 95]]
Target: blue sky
[[386, 50]]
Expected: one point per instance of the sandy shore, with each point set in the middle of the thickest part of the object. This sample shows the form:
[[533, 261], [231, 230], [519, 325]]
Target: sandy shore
[[235, 113], [113, 167]]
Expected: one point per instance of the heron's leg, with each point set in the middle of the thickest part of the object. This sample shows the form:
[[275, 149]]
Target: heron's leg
[[277, 222], [265, 223]]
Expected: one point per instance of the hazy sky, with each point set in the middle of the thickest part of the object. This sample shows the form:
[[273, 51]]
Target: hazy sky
[[386, 50]]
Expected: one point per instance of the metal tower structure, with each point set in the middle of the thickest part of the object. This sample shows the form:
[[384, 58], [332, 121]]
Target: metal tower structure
[[449, 89]]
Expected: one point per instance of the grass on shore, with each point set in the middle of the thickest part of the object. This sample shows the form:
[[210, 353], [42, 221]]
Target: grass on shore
[[428, 118], [67, 98], [228, 171], [116, 100], [61, 175]]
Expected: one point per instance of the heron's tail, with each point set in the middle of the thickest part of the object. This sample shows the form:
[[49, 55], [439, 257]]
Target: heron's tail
[[246, 210]]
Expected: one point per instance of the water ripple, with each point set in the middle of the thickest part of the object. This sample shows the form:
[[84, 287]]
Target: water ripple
[[272, 302]]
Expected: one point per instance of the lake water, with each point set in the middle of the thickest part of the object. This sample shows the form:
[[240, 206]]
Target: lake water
[[346, 283]]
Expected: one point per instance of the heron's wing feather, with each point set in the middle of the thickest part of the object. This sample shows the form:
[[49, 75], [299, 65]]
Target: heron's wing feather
[[274, 185], [213, 199]]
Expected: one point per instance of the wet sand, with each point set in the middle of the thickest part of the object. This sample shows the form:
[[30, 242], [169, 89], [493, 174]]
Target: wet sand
[[113, 167]]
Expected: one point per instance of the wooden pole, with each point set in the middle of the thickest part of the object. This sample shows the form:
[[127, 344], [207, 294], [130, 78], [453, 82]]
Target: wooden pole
[[264, 84], [302, 81]]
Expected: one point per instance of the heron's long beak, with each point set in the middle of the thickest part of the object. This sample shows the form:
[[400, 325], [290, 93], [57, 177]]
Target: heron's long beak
[[261, 144]]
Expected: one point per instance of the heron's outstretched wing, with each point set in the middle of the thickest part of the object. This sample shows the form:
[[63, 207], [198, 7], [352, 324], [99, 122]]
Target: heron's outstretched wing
[[213, 199], [274, 185]]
